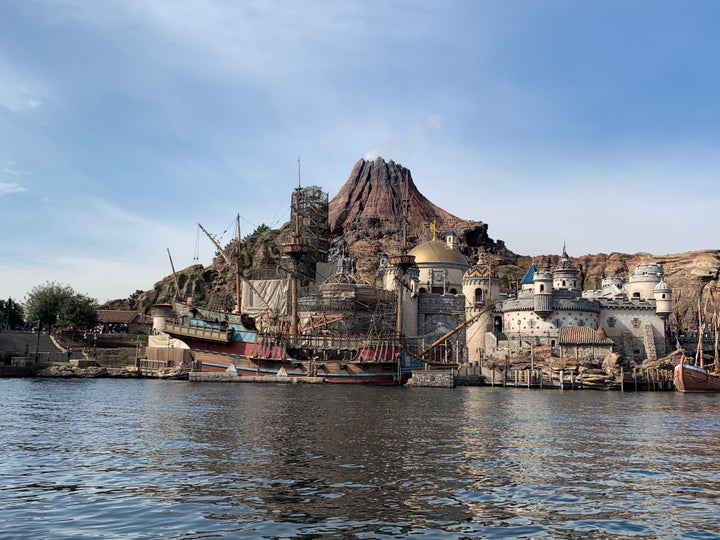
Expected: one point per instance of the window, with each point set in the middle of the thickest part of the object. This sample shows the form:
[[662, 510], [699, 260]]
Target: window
[[542, 287], [611, 322], [479, 296], [636, 322]]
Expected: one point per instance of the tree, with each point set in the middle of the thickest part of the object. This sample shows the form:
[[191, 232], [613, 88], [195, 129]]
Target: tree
[[133, 298], [11, 313], [55, 304]]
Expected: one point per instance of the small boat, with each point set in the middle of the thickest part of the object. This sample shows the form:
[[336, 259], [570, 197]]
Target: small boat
[[690, 378]]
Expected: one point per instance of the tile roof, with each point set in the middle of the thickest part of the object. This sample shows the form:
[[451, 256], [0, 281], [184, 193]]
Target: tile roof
[[123, 316], [582, 335]]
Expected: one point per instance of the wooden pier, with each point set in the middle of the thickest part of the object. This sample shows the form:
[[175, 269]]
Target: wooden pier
[[635, 380]]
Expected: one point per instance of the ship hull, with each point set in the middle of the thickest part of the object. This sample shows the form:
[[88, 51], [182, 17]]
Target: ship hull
[[378, 364], [379, 373], [223, 343], [688, 378]]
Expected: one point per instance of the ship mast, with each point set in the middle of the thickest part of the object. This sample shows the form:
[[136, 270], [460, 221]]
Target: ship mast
[[234, 264], [238, 284], [402, 262], [295, 249]]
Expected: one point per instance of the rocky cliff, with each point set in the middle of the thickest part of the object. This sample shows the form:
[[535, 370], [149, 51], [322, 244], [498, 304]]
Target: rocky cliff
[[365, 218]]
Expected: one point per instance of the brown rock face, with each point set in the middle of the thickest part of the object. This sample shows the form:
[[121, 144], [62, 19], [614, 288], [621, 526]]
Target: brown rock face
[[367, 213]]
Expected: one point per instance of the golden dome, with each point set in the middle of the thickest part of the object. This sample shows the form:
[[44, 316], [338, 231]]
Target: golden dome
[[436, 251]]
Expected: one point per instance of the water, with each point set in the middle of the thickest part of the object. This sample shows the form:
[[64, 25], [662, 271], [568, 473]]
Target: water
[[158, 459]]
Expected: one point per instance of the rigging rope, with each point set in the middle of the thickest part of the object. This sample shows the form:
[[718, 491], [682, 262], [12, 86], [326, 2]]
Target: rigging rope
[[196, 255]]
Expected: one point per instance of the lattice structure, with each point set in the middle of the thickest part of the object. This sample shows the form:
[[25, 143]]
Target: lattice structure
[[310, 209]]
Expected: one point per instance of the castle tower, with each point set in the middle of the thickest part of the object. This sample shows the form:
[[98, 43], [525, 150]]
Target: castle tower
[[543, 291], [566, 276], [663, 299], [479, 288], [643, 280]]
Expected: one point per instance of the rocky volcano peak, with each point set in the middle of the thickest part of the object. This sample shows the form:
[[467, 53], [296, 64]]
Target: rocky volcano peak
[[367, 213], [374, 192]]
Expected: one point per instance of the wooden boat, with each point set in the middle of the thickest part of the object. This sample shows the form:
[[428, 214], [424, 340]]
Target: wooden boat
[[690, 378]]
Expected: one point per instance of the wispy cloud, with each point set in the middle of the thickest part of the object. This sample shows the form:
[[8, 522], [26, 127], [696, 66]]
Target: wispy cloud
[[19, 91], [412, 139], [17, 99], [8, 188]]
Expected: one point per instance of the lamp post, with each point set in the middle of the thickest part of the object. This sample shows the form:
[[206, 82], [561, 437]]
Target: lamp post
[[9, 306], [37, 344]]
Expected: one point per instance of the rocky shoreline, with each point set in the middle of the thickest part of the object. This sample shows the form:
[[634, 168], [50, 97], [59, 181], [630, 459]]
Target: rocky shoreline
[[68, 371]]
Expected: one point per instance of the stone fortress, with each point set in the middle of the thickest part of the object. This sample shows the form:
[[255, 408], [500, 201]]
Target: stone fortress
[[549, 308]]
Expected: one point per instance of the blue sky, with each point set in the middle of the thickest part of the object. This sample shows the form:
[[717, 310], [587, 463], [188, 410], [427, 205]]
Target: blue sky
[[124, 123]]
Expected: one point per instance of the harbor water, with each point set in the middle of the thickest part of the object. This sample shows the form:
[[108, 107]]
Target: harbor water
[[110, 458]]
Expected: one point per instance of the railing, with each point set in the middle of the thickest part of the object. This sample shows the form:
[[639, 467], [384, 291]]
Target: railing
[[202, 332]]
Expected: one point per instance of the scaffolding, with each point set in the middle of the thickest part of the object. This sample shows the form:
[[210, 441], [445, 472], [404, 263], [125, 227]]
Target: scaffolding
[[310, 208]]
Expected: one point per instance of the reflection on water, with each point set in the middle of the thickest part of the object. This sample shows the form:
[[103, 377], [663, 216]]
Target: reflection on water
[[149, 459]]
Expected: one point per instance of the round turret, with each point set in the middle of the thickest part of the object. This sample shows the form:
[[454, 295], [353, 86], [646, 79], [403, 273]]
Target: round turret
[[542, 297], [566, 275], [480, 286], [663, 299], [642, 281]]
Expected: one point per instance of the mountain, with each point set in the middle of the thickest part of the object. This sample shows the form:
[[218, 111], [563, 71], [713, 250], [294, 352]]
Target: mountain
[[367, 213], [365, 219]]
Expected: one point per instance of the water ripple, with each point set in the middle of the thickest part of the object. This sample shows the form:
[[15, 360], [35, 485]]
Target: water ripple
[[149, 459]]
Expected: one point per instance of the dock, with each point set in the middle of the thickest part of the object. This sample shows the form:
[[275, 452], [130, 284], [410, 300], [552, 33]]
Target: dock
[[627, 380]]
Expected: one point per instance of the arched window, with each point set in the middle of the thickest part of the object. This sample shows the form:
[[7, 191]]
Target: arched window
[[542, 287], [479, 294]]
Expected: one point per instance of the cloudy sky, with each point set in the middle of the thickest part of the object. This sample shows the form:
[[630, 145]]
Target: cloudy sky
[[124, 123]]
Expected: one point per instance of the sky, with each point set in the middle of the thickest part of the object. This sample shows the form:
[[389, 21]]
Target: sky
[[125, 123]]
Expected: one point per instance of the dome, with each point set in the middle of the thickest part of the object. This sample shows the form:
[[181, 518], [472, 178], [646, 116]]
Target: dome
[[478, 271], [661, 287], [435, 251]]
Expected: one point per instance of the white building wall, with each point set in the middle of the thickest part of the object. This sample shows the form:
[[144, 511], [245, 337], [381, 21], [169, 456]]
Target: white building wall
[[616, 322]]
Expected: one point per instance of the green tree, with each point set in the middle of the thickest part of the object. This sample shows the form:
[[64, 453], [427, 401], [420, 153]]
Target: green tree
[[55, 304], [11, 313], [133, 298], [257, 233]]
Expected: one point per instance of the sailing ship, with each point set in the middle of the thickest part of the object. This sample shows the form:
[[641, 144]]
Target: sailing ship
[[697, 378], [341, 334], [691, 378]]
